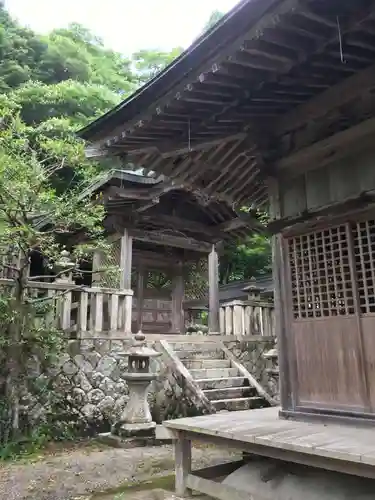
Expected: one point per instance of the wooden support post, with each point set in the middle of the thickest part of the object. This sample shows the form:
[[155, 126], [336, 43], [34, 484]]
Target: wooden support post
[[178, 319], [182, 449], [213, 283], [96, 263], [126, 260], [126, 278], [140, 295]]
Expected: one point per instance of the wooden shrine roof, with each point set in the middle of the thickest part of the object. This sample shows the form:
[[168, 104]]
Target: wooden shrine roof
[[271, 79], [159, 210]]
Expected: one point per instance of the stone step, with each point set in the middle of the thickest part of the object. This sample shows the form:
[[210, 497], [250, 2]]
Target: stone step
[[214, 373], [220, 383], [229, 393], [200, 354], [206, 363], [193, 346], [238, 404]]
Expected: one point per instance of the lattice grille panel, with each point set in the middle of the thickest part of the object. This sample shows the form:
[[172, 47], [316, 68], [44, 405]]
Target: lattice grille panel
[[320, 274], [159, 280], [196, 284], [364, 252], [110, 259]]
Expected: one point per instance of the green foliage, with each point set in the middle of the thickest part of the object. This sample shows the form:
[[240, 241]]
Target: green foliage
[[149, 63], [213, 19], [27, 193], [249, 259]]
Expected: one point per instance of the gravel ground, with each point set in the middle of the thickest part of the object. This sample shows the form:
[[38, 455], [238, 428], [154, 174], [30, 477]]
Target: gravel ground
[[69, 474]]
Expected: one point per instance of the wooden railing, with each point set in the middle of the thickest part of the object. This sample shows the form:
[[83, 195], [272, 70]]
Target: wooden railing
[[81, 309], [247, 317]]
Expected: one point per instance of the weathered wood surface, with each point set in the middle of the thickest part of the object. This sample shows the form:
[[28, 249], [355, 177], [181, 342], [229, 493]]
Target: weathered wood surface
[[213, 278], [247, 317], [264, 432], [82, 309]]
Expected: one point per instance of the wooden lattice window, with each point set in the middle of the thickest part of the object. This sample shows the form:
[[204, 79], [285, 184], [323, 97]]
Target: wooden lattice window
[[109, 259], [364, 251], [320, 274]]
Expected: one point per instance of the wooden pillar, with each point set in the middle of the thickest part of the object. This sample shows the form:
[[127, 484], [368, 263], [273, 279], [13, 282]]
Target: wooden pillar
[[282, 314], [178, 291], [126, 260], [96, 263], [126, 278], [213, 284], [141, 275]]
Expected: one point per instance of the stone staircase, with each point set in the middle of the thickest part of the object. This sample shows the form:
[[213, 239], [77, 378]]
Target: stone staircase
[[221, 380]]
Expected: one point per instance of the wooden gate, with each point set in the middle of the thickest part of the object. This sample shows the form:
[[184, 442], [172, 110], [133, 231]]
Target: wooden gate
[[332, 304]]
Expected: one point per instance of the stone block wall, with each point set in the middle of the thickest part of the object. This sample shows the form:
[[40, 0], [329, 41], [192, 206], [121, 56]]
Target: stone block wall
[[250, 353], [89, 374]]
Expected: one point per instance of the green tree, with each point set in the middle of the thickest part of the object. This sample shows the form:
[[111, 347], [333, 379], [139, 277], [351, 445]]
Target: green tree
[[148, 63], [213, 19], [27, 193], [76, 101], [251, 258]]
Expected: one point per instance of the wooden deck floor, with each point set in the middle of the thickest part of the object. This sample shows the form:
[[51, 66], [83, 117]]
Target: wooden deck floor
[[339, 447]]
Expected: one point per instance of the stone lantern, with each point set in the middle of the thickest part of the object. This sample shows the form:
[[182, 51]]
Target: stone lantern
[[64, 267], [136, 420], [273, 371]]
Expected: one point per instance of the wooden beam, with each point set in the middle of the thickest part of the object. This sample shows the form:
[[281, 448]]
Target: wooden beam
[[323, 103], [242, 220], [325, 149], [126, 193], [349, 205], [173, 241], [183, 225]]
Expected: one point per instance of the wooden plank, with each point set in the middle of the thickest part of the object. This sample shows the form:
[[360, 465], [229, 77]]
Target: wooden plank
[[173, 241], [127, 322], [181, 224], [344, 448], [329, 100], [99, 304], [182, 449], [114, 313], [66, 311], [253, 382], [336, 144], [83, 311]]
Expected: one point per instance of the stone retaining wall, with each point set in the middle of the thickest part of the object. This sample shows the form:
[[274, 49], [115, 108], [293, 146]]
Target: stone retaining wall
[[90, 376]]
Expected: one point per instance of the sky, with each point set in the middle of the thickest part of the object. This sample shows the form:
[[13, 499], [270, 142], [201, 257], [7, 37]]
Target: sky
[[124, 25]]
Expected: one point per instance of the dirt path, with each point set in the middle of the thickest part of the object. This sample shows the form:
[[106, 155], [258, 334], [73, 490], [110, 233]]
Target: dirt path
[[78, 472]]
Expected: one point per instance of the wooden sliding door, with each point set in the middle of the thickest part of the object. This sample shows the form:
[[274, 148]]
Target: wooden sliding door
[[330, 335]]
